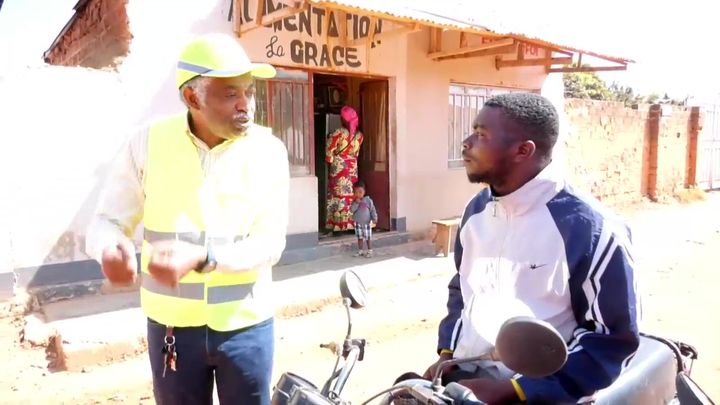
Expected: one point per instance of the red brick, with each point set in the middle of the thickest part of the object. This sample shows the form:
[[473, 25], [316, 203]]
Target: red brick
[[612, 152], [99, 35]]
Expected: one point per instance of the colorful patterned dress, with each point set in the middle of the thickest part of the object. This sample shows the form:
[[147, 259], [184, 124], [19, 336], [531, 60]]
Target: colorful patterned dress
[[341, 153]]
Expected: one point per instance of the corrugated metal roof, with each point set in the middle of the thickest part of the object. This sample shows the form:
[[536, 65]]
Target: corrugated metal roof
[[553, 23]]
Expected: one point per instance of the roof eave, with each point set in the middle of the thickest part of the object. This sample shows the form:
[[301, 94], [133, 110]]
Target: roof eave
[[79, 6], [465, 26]]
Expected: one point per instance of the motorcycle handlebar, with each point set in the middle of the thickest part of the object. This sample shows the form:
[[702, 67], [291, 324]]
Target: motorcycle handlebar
[[461, 395], [345, 371], [437, 382], [425, 392]]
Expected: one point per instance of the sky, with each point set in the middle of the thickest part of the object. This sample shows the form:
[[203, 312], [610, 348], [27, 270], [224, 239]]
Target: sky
[[28, 27], [673, 43]]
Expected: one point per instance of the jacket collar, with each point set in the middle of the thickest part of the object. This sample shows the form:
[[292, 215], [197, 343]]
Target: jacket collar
[[538, 191]]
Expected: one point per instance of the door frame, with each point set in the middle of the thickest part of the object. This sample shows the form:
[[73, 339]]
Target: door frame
[[389, 223], [391, 125]]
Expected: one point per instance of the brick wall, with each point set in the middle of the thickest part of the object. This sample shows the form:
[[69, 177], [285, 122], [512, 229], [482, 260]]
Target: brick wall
[[621, 154], [606, 150], [673, 142], [98, 36]]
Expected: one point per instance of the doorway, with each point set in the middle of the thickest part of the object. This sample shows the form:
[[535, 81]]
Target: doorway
[[369, 97]]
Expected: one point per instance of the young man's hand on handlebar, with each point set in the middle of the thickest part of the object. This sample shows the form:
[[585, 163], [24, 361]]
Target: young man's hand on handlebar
[[430, 372]]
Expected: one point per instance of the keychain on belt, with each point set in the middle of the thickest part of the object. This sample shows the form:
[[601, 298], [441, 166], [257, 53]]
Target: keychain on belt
[[170, 358]]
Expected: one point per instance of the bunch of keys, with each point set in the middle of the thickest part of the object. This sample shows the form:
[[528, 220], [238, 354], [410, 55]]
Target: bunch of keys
[[170, 354]]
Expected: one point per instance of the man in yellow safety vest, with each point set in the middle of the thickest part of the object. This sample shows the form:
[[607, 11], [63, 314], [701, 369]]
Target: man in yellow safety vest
[[211, 189]]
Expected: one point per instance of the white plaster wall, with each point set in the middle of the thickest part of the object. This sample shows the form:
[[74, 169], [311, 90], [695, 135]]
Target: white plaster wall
[[61, 126], [303, 199]]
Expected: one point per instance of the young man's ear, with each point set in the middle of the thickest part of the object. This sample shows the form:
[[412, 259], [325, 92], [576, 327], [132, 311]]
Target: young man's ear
[[526, 150]]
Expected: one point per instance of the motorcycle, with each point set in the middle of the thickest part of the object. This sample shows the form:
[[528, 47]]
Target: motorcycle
[[659, 372], [293, 389]]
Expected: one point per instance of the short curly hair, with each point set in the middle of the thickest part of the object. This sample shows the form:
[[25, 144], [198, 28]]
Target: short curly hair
[[534, 115]]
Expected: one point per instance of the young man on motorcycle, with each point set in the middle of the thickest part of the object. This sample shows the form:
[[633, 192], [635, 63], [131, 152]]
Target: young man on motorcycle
[[529, 244]]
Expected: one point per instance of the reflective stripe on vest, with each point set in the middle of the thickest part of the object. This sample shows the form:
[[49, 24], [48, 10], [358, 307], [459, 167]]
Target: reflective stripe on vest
[[197, 238], [178, 196], [190, 291], [196, 291]]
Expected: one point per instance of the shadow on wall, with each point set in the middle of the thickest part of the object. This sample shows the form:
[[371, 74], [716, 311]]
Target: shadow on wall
[[66, 261]]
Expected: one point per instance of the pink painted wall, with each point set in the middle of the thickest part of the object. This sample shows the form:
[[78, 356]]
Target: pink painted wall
[[426, 188]]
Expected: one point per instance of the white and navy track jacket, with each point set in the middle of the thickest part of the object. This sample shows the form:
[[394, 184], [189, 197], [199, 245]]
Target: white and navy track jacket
[[545, 250]]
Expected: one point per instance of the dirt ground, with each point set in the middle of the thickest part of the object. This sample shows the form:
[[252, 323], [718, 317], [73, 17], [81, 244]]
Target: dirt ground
[[676, 250]]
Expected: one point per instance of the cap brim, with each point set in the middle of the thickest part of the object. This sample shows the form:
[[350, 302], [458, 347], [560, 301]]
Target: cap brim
[[261, 70]]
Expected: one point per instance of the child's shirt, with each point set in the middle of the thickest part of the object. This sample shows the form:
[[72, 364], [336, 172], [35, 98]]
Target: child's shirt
[[363, 211]]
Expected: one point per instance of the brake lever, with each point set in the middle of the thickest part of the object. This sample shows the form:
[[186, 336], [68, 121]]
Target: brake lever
[[344, 348], [334, 347], [349, 344]]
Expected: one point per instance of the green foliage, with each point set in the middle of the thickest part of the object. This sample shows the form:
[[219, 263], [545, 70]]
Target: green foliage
[[590, 86], [625, 95], [585, 85], [652, 98]]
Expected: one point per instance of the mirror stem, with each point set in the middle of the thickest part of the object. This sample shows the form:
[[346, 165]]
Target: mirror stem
[[346, 302]]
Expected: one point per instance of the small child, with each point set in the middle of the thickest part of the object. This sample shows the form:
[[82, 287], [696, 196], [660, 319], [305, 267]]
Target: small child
[[364, 215]]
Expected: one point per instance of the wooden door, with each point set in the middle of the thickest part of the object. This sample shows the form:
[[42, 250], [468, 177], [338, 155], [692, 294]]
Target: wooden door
[[373, 160]]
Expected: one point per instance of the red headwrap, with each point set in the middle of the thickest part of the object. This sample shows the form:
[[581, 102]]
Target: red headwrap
[[350, 118]]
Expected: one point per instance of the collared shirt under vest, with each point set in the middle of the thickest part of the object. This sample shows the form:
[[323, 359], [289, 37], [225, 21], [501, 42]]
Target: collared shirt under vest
[[233, 197]]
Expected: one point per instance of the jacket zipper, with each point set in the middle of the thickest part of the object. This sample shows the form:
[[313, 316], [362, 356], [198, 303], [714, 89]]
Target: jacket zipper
[[496, 202], [502, 248]]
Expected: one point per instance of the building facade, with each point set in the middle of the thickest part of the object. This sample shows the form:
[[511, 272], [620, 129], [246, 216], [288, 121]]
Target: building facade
[[416, 79]]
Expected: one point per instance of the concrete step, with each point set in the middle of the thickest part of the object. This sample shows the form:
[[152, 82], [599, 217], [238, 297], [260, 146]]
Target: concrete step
[[109, 327], [341, 245], [91, 330]]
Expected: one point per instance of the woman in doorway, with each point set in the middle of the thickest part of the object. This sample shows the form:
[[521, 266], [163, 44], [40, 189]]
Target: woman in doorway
[[343, 146]]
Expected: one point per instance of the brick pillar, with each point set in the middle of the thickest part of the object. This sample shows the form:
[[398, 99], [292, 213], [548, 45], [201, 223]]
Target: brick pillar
[[653, 128], [694, 127]]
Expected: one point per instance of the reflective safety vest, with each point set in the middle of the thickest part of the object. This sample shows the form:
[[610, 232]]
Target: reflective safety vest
[[180, 198]]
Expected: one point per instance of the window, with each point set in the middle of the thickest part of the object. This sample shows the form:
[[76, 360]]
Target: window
[[464, 103], [283, 104]]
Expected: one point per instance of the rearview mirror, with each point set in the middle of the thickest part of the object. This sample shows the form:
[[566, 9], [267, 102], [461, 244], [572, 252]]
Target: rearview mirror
[[352, 288], [530, 347]]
